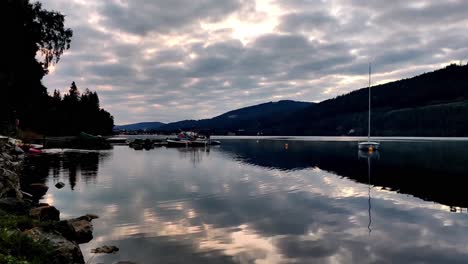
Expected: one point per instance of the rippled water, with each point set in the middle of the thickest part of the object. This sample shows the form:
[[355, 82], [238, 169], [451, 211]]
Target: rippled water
[[262, 201]]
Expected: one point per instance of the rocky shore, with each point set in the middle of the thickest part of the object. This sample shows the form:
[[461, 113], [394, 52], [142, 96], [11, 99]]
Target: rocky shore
[[26, 223]]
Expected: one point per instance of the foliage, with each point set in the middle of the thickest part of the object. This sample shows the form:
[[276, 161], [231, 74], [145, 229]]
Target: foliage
[[36, 40], [30, 30], [18, 248], [75, 113]]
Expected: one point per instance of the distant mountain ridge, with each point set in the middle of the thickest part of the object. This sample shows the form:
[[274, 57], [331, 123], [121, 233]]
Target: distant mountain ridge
[[139, 126], [245, 120], [248, 118]]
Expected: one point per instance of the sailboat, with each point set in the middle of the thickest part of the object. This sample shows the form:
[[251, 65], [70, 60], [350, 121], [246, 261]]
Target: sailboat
[[369, 145]]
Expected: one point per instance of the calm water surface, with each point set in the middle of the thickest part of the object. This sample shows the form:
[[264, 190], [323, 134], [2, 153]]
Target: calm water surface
[[260, 201]]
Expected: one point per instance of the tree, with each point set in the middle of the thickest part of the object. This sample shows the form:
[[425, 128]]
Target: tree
[[28, 31], [73, 94]]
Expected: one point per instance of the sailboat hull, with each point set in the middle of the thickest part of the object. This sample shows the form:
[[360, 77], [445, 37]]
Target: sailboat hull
[[368, 145]]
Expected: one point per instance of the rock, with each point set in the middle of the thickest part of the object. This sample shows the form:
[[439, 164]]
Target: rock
[[64, 251], [12, 204], [10, 186], [92, 216], [38, 189], [18, 150], [65, 228], [45, 213], [6, 156], [105, 250], [83, 230], [8, 174], [3, 139], [60, 185], [88, 217], [124, 262]]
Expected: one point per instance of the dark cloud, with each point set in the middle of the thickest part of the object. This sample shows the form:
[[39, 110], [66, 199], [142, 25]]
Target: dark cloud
[[144, 16], [215, 56]]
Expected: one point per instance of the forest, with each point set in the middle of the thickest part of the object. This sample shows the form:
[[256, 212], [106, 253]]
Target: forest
[[35, 39], [431, 104]]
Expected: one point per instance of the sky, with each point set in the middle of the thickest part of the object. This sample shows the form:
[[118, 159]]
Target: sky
[[170, 60]]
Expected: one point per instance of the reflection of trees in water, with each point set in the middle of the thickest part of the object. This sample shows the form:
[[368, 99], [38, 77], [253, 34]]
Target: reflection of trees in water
[[433, 171], [72, 165]]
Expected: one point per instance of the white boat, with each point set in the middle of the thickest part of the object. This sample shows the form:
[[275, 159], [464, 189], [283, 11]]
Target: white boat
[[185, 139], [369, 145]]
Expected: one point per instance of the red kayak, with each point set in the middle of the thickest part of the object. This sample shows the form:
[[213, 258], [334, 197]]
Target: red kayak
[[35, 151]]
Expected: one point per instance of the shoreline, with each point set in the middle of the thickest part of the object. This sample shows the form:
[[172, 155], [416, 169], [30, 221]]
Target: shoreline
[[33, 232]]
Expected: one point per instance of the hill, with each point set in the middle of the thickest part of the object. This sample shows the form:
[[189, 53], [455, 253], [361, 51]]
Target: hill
[[247, 120], [431, 104], [139, 126]]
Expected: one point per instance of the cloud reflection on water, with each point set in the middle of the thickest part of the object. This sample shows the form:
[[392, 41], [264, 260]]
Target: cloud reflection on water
[[231, 206]]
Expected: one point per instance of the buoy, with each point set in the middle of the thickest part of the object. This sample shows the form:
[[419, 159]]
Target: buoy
[[371, 149], [286, 146]]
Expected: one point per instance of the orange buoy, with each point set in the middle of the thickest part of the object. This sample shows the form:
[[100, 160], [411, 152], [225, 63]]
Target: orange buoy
[[371, 149], [286, 146]]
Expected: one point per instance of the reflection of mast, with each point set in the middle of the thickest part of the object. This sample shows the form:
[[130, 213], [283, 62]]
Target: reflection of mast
[[369, 156], [368, 175]]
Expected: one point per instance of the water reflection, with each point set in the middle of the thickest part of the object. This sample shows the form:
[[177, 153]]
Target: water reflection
[[433, 171], [369, 156], [249, 202], [194, 154], [62, 165]]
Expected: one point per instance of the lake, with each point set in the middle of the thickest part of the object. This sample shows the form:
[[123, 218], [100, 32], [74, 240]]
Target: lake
[[268, 201]]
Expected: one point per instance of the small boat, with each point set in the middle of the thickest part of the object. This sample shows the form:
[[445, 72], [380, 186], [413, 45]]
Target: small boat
[[117, 140], [369, 145], [191, 139], [178, 143]]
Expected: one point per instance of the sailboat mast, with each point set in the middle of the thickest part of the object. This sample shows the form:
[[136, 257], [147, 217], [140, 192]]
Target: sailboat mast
[[368, 130]]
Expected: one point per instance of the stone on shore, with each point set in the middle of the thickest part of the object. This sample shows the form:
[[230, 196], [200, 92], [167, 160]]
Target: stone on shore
[[82, 229], [38, 189], [105, 250], [64, 251], [45, 213], [13, 205]]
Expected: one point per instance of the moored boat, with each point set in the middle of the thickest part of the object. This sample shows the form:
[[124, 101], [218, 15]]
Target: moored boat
[[192, 139], [369, 145]]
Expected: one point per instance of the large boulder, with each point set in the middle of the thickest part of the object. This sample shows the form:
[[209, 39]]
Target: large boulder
[[64, 251], [83, 229], [78, 229], [45, 213]]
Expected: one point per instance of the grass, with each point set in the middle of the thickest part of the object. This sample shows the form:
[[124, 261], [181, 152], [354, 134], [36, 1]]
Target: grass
[[15, 247]]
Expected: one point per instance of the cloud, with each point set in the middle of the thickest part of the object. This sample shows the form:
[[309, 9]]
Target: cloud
[[208, 57]]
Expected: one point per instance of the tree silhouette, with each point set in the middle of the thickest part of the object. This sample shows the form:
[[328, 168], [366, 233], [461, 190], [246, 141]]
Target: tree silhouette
[[33, 40]]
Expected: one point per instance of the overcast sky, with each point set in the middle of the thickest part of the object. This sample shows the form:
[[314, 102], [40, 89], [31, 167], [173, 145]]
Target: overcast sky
[[168, 60]]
